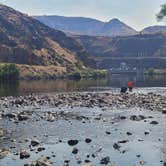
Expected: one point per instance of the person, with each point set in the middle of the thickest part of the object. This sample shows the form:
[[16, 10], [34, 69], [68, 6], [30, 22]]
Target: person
[[130, 86]]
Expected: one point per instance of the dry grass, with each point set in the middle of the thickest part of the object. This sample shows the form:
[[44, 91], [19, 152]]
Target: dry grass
[[38, 72]]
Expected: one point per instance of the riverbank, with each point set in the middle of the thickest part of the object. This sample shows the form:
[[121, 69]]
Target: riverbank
[[150, 101], [30, 72]]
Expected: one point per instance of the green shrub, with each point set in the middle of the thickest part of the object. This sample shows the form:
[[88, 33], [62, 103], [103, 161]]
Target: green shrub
[[9, 72]]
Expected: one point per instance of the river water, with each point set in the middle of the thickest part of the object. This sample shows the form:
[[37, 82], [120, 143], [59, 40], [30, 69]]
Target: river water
[[140, 148], [112, 82]]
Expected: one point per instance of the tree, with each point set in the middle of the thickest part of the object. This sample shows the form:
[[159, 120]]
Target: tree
[[160, 16]]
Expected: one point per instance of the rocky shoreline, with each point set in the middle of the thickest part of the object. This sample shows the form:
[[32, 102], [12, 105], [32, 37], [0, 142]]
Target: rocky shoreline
[[150, 101], [23, 110]]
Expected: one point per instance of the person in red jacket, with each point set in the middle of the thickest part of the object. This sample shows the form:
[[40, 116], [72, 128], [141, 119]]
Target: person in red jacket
[[130, 86]]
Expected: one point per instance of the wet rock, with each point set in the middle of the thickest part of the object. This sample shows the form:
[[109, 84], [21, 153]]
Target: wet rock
[[108, 132], [3, 153], [24, 154], [19, 101], [1, 132], [105, 160], [40, 149], [72, 142], [146, 133], [35, 142], [22, 117], [116, 146], [11, 115], [128, 133], [142, 162], [122, 117], [123, 141], [75, 151], [154, 122], [87, 161], [137, 118], [41, 162], [88, 140]]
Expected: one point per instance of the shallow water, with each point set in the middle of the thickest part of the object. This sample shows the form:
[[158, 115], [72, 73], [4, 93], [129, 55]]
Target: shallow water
[[152, 148]]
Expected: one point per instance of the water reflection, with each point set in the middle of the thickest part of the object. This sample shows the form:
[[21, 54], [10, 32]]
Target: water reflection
[[116, 81]]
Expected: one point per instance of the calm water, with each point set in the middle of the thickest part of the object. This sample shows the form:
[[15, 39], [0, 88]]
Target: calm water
[[115, 81]]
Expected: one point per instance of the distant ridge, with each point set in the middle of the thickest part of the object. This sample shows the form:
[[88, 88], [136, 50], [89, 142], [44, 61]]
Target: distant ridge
[[154, 29], [87, 26]]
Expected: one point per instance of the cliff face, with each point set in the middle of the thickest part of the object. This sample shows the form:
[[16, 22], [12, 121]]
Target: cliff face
[[24, 40]]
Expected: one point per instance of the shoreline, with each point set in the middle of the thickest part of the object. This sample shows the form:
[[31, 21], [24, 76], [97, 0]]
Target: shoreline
[[150, 101], [42, 128]]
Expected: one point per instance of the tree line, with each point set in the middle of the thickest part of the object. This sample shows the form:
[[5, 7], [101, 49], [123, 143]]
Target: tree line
[[9, 72]]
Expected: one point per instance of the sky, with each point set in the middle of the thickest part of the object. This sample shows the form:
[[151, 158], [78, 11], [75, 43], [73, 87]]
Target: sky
[[136, 13]]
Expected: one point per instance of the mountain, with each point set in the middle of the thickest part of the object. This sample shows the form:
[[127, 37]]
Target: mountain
[[111, 51], [154, 29], [87, 26], [24, 40]]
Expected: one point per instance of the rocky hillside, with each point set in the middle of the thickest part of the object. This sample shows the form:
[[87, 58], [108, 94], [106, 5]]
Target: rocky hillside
[[24, 40], [87, 26], [151, 48], [154, 30]]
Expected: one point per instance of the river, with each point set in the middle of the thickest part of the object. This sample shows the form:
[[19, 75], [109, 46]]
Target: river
[[49, 86]]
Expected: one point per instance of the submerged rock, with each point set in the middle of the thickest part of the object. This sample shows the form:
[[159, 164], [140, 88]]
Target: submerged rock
[[3, 153], [105, 160], [24, 154], [88, 140], [154, 122], [72, 142], [35, 142], [43, 161]]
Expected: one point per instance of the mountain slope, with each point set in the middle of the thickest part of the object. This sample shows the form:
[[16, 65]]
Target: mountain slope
[[109, 50], [154, 29], [24, 40], [87, 26]]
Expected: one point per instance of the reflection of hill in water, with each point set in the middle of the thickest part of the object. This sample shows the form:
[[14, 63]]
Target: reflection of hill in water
[[116, 81]]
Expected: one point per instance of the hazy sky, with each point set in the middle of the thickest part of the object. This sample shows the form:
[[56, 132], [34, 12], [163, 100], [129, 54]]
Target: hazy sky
[[136, 13]]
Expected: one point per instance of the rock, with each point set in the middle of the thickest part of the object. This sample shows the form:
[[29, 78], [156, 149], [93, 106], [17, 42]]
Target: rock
[[3, 153], [35, 142], [105, 160], [154, 122], [72, 142], [137, 118], [146, 133], [108, 132], [142, 162], [123, 141], [22, 117], [128, 133], [88, 140], [1, 132], [116, 146], [42, 162], [11, 115], [40, 149], [75, 151], [24, 154], [19, 101]]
